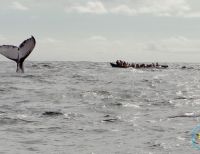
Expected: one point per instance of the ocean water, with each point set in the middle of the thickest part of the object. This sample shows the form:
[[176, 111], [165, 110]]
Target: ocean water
[[92, 108]]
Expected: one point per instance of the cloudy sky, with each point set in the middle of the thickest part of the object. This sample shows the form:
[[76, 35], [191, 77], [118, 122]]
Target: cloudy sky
[[104, 30]]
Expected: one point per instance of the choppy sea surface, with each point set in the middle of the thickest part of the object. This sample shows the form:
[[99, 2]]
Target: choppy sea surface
[[92, 108]]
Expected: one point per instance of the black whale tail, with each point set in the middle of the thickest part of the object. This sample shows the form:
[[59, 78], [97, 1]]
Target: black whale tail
[[19, 54]]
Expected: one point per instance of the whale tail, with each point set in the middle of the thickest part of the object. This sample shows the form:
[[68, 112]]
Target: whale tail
[[18, 54]]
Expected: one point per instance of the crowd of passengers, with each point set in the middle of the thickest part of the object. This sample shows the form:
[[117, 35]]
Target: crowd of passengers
[[121, 63]]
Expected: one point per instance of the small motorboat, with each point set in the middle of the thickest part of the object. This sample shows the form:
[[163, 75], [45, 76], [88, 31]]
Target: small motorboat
[[115, 65], [161, 67]]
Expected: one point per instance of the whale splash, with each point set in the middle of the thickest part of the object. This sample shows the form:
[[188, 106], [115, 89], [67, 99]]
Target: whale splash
[[19, 54]]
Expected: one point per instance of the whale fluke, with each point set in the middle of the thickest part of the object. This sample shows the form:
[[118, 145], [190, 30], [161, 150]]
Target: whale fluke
[[18, 54]]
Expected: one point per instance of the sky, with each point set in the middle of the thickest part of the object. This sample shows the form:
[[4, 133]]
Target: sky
[[104, 30]]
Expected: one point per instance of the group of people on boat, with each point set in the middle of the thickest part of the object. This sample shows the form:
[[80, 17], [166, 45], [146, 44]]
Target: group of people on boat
[[124, 64]]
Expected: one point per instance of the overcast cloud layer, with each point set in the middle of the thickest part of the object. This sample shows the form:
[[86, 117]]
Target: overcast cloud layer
[[104, 30]]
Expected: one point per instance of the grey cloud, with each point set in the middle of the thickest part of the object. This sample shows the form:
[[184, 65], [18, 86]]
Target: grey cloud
[[134, 7], [168, 8]]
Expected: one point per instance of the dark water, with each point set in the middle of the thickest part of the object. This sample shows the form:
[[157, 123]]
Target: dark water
[[91, 108]]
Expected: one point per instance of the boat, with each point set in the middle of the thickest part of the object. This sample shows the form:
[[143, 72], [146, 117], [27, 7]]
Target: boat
[[164, 66], [115, 65]]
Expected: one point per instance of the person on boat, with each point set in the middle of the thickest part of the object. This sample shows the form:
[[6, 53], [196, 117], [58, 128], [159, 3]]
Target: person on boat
[[118, 62], [157, 64], [125, 64], [121, 63]]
